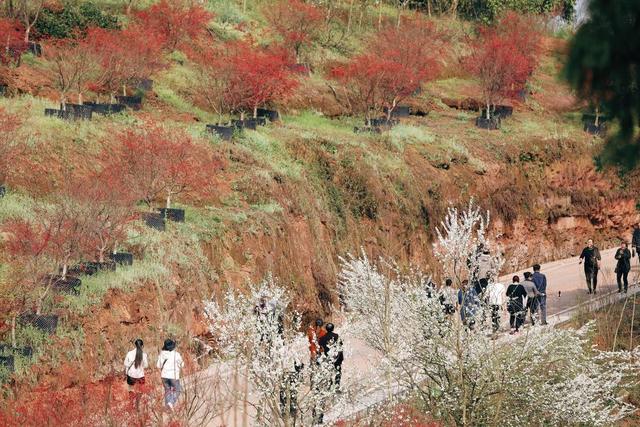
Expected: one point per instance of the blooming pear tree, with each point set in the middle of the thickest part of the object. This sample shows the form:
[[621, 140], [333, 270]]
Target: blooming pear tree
[[260, 333], [461, 241]]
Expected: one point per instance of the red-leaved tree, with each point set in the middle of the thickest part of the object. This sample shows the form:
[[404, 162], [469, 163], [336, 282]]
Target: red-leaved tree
[[156, 161], [255, 77], [295, 21], [176, 22], [399, 62], [123, 57], [11, 43], [499, 66], [10, 147], [72, 66]]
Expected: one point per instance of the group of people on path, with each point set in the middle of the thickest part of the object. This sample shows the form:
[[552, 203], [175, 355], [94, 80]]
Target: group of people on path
[[591, 258], [485, 295], [169, 362]]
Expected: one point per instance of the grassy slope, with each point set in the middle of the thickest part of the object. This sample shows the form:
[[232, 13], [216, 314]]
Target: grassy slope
[[296, 195]]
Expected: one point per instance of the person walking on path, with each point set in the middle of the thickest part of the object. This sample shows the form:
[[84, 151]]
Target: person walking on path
[[495, 297], [447, 297], [135, 362], [331, 345], [623, 266], [170, 363], [635, 240], [540, 281], [314, 333], [591, 257], [532, 295], [515, 304]]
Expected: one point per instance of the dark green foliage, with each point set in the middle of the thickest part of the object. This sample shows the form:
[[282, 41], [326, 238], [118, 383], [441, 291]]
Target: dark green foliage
[[488, 10], [65, 22], [604, 67]]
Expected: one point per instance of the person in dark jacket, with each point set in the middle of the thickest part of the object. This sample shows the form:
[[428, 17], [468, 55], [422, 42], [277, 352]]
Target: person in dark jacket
[[623, 266], [329, 341], [635, 240], [541, 284], [515, 304], [591, 257]]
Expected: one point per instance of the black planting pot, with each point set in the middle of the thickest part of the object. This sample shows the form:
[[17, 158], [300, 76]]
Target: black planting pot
[[144, 85], [500, 111], [92, 267], [79, 109], [599, 130], [68, 114], [224, 132], [3, 191], [175, 215], [155, 221], [105, 109], [22, 351], [271, 115], [3, 90], [7, 362], [490, 124], [69, 285], [400, 111], [43, 322], [35, 48], [245, 124], [419, 112], [133, 102], [382, 122], [122, 258], [591, 118]]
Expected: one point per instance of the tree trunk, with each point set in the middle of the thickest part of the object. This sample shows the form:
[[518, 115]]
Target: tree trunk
[[80, 98], [379, 14], [65, 269], [168, 199], [13, 331], [124, 90], [241, 115], [597, 121], [255, 112], [244, 6], [454, 8], [488, 110], [27, 31], [429, 8]]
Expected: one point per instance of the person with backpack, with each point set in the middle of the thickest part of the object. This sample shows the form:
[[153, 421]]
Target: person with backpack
[[540, 281], [515, 304], [135, 362], [591, 257], [623, 266], [447, 297], [170, 363], [495, 299]]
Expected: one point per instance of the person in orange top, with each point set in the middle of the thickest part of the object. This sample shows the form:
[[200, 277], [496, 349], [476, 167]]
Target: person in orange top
[[314, 333]]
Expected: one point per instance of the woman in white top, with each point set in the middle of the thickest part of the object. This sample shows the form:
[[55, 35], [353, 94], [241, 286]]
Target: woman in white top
[[495, 295], [135, 363], [170, 363]]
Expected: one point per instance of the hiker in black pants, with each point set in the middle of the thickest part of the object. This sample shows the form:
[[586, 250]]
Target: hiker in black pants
[[635, 240], [515, 304], [591, 257], [623, 266], [328, 342]]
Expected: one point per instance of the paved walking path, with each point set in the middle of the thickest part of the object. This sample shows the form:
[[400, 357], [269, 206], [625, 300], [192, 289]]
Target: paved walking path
[[566, 296]]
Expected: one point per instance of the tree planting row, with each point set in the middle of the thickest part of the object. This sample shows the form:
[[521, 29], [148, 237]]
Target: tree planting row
[[226, 132]]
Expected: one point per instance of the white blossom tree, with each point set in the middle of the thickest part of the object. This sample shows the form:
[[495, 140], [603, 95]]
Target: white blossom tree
[[259, 332]]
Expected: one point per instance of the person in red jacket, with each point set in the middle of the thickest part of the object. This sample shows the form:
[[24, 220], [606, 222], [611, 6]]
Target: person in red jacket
[[314, 333]]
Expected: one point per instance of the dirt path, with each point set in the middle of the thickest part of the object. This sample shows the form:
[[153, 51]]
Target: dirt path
[[567, 293]]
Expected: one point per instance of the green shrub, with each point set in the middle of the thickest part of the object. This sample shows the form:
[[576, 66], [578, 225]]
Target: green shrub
[[487, 10], [62, 23]]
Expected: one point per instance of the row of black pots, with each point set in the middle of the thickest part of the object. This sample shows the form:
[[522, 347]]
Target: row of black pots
[[90, 268], [226, 132], [400, 111], [44, 322], [69, 284], [105, 109], [158, 220], [22, 351], [68, 114], [122, 258], [492, 123]]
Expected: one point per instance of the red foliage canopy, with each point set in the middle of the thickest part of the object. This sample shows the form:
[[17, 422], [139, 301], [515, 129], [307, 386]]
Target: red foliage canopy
[[499, 65], [124, 57], [249, 77], [10, 148], [155, 161], [295, 21], [176, 22], [12, 44], [401, 60]]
